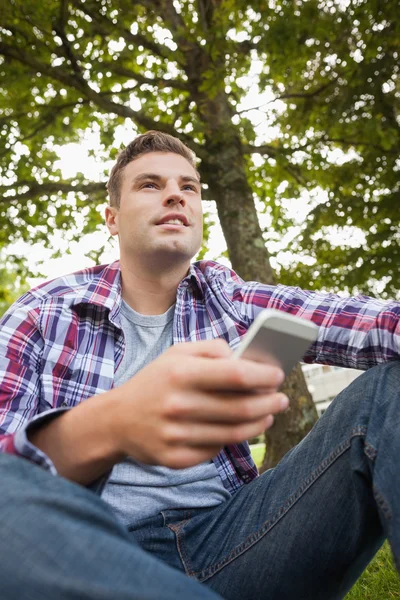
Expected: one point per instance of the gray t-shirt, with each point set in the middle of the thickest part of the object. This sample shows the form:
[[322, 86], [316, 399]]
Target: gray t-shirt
[[136, 491]]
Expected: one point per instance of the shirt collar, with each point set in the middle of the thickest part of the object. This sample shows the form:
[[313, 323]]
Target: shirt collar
[[194, 279], [105, 289]]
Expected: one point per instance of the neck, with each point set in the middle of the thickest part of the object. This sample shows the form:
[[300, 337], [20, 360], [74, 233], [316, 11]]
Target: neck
[[150, 292]]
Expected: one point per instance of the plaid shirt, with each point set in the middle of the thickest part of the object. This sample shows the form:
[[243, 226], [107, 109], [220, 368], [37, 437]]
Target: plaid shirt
[[62, 342]]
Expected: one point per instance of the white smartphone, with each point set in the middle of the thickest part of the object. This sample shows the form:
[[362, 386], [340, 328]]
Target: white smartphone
[[277, 338]]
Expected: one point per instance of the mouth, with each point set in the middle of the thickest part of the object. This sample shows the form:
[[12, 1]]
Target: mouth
[[174, 221]]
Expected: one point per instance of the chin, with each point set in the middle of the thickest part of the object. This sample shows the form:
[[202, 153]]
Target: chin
[[168, 256]]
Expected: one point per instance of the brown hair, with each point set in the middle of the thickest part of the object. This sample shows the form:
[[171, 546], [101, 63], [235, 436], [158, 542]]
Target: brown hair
[[152, 141]]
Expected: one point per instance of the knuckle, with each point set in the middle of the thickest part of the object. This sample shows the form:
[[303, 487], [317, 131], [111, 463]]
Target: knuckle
[[240, 375], [173, 406], [171, 434], [175, 373], [247, 410]]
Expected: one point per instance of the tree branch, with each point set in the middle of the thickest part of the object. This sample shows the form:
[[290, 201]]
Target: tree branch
[[107, 27], [102, 101], [295, 172], [264, 149], [287, 96], [274, 152], [141, 79], [173, 18], [46, 119], [312, 94], [359, 143], [66, 46], [49, 187], [246, 46], [205, 8], [53, 72], [245, 110]]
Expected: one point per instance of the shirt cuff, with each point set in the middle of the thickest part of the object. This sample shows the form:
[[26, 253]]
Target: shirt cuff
[[26, 449]]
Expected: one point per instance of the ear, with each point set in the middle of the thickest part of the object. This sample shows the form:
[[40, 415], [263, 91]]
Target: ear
[[111, 215]]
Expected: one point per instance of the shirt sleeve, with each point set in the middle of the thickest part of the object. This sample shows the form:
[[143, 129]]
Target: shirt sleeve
[[21, 347], [21, 350], [357, 332]]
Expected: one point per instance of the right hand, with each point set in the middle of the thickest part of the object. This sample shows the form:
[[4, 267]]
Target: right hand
[[182, 408]]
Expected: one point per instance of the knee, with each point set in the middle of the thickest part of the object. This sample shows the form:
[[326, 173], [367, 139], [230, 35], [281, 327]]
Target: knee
[[378, 385], [17, 475], [13, 467], [387, 373]]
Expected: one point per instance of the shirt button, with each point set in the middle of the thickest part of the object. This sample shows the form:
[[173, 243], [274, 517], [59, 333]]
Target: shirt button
[[64, 404]]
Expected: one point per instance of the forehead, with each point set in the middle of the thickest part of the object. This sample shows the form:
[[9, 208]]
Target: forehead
[[165, 164]]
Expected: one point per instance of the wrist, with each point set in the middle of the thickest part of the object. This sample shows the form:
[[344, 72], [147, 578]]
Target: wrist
[[104, 433], [80, 442]]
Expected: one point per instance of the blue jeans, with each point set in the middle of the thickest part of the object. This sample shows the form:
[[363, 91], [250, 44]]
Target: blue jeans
[[304, 530]]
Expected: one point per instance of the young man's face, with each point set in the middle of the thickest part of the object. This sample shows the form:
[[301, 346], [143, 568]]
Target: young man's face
[[160, 215]]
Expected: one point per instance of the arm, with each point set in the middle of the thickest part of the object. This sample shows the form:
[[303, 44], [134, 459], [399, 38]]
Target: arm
[[76, 436], [178, 411], [357, 332], [169, 413], [20, 355]]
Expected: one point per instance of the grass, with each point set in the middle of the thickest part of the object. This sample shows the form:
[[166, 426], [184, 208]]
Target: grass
[[380, 580]]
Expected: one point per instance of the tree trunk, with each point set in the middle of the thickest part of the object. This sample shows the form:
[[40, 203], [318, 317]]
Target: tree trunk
[[226, 176], [223, 167]]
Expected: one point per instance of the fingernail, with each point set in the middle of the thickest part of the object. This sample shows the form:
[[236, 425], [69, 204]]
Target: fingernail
[[284, 402]]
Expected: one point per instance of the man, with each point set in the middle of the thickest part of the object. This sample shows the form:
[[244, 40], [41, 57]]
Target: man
[[97, 389]]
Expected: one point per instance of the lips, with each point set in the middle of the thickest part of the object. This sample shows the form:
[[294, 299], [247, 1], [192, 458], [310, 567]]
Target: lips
[[174, 217]]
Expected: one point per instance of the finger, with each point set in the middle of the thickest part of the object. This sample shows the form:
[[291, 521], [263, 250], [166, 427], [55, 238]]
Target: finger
[[269, 421], [217, 348], [201, 435], [182, 457], [224, 408], [226, 374]]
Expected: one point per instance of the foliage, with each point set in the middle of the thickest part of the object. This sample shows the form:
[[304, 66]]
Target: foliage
[[12, 282], [329, 71], [352, 78]]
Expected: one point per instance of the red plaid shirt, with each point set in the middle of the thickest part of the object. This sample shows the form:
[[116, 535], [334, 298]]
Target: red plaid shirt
[[62, 342]]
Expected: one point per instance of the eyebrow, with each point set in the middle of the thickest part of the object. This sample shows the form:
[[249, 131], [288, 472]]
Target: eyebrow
[[155, 177]]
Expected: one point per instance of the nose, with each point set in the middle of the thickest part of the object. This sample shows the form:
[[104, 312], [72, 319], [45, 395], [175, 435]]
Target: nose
[[173, 195]]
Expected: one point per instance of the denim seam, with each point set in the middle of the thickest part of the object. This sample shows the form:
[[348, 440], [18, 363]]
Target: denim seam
[[382, 504], [381, 501], [266, 527], [370, 451], [185, 559]]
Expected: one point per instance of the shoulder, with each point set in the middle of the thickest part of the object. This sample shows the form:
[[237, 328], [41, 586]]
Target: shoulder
[[224, 278], [212, 271], [92, 285], [75, 286]]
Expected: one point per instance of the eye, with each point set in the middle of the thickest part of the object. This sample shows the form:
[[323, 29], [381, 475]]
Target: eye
[[189, 187], [148, 184]]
